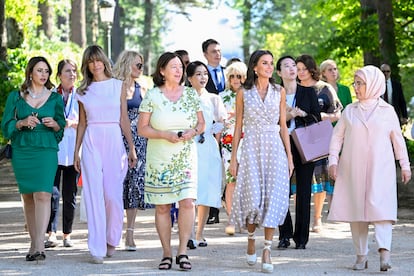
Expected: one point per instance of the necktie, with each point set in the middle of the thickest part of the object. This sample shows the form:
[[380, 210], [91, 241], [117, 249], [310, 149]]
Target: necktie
[[218, 84]]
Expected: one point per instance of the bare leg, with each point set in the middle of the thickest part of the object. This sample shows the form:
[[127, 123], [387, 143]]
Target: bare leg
[[251, 245], [268, 233], [42, 216], [163, 225], [129, 232], [29, 213], [185, 223], [202, 215], [229, 196], [318, 201]]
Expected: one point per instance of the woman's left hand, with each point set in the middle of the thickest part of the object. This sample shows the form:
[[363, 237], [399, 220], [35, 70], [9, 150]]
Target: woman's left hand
[[50, 122], [188, 134], [291, 167], [132, 158], [405, 176]]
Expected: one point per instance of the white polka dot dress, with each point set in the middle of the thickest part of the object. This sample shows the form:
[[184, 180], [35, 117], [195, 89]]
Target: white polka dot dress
[[261, 196]]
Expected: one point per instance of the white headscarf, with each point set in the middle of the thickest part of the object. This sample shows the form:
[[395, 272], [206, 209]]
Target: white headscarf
[[374, 80]]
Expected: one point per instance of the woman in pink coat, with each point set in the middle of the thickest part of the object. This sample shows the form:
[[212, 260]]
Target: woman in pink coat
[[369, 137]]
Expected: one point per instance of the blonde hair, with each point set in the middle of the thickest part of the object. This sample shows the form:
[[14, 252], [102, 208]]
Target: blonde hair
[[123, 66], [236, 68], [324, 66], [92, 53]]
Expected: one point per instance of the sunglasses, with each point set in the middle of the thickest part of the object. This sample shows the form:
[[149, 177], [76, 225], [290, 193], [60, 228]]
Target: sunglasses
[[139, 66], [201, 139], [386, 71], [235, 76]]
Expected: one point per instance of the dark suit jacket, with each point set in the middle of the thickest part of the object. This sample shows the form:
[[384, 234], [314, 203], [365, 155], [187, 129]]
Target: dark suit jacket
[[211, 87], [307, 100], [398, 100]]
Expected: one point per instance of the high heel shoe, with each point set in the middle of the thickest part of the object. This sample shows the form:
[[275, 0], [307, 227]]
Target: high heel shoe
[[130, 247], [361, 263], [267, 267], [385, 262], [251, 259]]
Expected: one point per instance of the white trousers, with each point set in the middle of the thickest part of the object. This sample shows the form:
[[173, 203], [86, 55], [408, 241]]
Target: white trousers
[[383, 235]]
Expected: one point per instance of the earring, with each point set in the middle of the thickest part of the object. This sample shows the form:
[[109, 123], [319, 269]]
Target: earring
[[30, 78]]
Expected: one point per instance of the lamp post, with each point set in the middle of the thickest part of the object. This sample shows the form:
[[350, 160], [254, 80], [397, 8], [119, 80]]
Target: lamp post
[[106, 12]]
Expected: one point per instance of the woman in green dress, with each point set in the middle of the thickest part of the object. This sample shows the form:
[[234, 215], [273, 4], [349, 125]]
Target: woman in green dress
[[34, 121], [170, 117]]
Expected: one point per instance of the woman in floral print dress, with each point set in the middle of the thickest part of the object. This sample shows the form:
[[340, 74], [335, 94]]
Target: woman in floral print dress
[[235, 76], [170, 117]]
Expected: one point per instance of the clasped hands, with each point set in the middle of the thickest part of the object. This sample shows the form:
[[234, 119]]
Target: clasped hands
[[32, 121], [297, 112]]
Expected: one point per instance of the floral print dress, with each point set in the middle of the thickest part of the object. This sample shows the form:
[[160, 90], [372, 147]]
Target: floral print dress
[[171, 168], [229, 100]]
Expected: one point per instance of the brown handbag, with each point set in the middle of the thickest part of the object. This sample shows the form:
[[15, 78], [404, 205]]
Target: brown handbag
[[313, 141]]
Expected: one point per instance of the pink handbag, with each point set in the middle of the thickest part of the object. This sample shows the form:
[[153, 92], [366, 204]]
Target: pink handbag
[[313, 141]]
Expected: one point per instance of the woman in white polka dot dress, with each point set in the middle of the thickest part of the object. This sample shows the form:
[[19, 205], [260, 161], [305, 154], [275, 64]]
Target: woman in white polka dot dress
[[261, 197]]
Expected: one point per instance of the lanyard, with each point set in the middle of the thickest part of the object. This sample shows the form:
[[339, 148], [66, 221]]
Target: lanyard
[[70, 99]]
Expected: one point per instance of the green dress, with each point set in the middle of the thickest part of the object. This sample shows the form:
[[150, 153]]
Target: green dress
[[34, 158], [171, 168]]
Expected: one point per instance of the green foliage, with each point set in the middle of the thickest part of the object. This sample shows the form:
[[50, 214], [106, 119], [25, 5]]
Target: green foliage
[[410, 148]]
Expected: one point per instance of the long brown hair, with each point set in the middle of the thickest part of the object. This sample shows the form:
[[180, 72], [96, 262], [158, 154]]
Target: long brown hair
[[29, 70], [93, 52]]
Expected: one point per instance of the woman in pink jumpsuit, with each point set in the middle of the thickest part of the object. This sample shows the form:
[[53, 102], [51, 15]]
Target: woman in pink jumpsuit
[[102, 117]]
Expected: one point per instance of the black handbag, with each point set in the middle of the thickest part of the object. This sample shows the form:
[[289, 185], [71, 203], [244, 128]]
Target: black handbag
[[6, 152]]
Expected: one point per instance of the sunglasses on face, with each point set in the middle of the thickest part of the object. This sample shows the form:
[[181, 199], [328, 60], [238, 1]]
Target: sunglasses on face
[[235, 76], [139, 66], [386, 71]]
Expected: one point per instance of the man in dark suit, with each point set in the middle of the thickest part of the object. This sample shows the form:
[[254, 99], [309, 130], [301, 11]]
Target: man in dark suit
[[394, 95], [212, 52]]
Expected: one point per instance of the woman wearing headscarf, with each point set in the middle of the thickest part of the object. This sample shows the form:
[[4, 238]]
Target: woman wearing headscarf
[[369, 137]]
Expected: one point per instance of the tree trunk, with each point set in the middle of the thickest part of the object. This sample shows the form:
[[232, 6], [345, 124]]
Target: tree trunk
[[371, 56], [78, 23], [3, 32], [388, 47], [247, 17], [46, 13], [118, 35], [148, 6]]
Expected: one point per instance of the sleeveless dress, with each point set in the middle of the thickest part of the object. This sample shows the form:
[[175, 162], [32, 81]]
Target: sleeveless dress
[[171, 168], [261, 196], [34, 158], [210, 168], [134, 180]]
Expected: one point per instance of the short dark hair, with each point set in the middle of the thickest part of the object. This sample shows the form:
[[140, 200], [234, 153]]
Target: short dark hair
[[181, 53], [207, 43], [310, 64], [162, 62], [192, 66]]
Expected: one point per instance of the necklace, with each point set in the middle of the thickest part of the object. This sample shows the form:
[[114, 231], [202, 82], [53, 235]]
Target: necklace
[[37, 96]]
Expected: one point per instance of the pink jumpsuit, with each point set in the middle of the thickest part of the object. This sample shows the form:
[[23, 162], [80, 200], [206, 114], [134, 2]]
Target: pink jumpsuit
[[104, 165]]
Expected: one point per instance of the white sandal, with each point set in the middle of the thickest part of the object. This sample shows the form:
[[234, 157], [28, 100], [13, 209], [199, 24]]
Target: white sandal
[[130, 247], [266, 267]]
